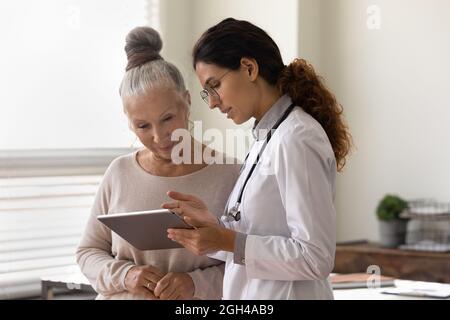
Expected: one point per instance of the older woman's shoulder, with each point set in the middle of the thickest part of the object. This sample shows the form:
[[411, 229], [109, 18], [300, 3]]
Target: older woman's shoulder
[[121, 163]]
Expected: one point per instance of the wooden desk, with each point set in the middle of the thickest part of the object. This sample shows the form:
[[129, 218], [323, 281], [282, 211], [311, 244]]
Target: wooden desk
[[400, 264]]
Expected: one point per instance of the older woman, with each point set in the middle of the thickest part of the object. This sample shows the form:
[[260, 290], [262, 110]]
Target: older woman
[[156, 103]]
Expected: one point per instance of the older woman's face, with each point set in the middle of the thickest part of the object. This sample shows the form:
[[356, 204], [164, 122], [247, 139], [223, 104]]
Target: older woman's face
[[155, 115]]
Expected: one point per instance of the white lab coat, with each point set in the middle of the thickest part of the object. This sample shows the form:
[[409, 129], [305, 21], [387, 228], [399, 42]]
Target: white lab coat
[[288, 214]]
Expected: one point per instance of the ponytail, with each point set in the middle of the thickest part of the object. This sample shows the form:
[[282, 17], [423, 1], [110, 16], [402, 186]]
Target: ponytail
[[306, 89]]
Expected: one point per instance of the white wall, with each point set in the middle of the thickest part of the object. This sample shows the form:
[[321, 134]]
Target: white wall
[[177, 22], [393, 83]]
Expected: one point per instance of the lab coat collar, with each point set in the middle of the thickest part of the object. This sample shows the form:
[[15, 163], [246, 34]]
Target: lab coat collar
[[262, 127]]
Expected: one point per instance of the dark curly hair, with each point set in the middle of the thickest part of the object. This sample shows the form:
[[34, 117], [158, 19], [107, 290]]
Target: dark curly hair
[[230, 40]]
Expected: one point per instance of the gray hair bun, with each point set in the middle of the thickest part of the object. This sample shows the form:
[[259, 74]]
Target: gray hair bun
[[143, 45]]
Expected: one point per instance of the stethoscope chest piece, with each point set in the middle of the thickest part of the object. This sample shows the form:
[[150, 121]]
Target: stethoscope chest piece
[[234, 214]]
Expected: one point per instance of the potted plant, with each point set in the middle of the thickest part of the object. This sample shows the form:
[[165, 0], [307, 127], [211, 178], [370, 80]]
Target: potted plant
[[392, 228]]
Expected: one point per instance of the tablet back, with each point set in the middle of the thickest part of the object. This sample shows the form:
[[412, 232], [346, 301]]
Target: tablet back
[[145, 230]]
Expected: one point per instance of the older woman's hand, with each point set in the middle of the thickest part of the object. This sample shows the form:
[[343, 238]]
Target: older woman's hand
[[175, 286], [142, 280], [191, 208]]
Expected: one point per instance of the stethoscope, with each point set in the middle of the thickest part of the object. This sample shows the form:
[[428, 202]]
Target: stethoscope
[[234, 214]]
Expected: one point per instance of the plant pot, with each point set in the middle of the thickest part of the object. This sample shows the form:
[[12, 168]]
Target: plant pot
[[392, 233]]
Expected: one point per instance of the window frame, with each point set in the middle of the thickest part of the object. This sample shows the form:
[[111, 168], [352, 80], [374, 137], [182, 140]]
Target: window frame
[[57, 162]]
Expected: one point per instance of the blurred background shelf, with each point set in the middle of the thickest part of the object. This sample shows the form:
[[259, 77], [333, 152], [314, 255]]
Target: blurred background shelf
[[397, 263]]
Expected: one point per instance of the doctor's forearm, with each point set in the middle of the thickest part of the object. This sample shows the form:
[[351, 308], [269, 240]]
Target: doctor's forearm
[[228, 237], [238, 242]]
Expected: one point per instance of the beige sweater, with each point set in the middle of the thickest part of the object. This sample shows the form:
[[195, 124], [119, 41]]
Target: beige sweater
[[105, 258]]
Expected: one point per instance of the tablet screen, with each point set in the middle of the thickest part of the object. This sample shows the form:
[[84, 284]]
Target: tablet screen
[[145, 230]]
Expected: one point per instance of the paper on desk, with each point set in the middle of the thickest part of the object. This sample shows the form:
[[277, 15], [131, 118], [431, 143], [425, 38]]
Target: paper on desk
[[420, 289], [357, 280]]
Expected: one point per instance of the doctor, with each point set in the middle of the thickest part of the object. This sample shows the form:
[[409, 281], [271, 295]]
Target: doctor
[[277, 236]]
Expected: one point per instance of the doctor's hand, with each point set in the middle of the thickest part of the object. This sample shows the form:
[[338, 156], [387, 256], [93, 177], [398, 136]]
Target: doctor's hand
[[204, 239], [192, 209], [175, 286], [142, 280]]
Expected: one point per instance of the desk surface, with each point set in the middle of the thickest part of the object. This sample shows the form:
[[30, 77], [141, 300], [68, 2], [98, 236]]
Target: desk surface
[[376, 293], [370, 294]]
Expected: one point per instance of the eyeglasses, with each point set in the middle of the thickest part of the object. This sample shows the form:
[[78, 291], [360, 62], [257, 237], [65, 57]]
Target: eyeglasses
[[210, 93]]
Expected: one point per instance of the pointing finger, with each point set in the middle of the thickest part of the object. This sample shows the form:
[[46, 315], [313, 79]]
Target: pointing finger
[[170, 205], [181, 196]]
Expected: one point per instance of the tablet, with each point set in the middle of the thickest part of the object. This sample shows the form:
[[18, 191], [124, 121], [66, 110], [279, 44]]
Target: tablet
[[145, 230]]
